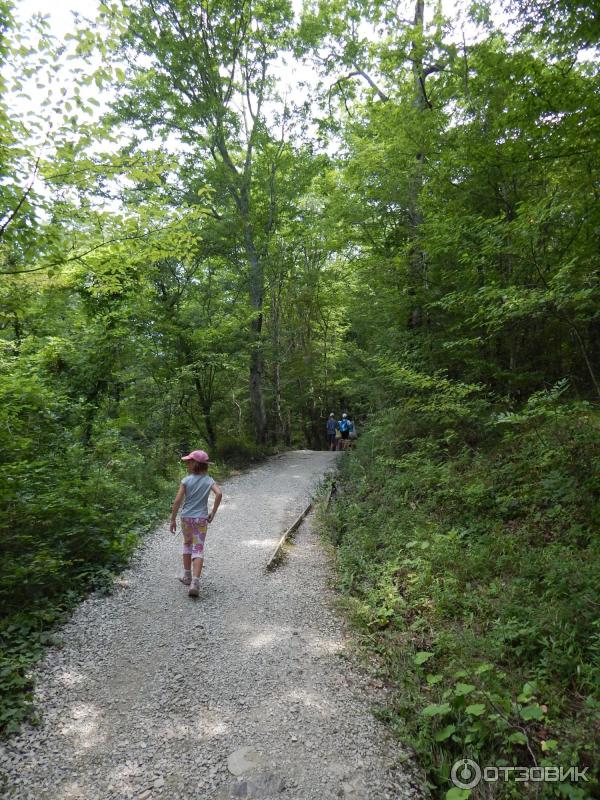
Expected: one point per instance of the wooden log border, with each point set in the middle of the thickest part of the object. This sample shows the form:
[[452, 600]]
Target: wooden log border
[[332, 489], [277, 553]]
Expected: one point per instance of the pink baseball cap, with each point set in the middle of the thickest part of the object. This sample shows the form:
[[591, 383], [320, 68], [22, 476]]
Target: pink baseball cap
[[197, 455]]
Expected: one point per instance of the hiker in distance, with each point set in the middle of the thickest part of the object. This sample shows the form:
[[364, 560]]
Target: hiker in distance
[[352, 435], [331, 429], [345, 426], [194, 491]]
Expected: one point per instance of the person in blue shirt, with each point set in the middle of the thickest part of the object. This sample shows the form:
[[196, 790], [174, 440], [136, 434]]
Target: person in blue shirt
[[345, 426]]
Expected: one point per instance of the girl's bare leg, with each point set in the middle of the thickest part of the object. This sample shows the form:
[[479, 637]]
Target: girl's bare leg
[[197, 565]]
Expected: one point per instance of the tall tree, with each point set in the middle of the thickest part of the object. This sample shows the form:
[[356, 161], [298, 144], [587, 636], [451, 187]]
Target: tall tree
[[202, 71]]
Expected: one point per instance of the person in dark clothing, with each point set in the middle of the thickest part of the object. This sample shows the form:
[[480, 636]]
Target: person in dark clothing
[[331, 426]]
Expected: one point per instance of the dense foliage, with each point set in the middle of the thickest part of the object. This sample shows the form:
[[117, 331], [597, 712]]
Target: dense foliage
[[409, 232], [468, 553]]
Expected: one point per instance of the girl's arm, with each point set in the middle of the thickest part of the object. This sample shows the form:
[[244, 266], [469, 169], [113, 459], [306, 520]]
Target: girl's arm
[[218, 495], [176, 503]]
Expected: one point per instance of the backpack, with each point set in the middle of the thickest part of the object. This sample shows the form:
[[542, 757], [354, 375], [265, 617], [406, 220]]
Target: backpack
[[344, 425]]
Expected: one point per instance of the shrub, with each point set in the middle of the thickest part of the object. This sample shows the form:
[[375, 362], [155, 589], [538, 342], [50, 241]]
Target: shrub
[[471, 566], [240, 453]]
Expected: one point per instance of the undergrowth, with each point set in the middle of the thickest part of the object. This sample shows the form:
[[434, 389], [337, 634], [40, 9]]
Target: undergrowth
[[468, 554], [71, 521], [52, 558]]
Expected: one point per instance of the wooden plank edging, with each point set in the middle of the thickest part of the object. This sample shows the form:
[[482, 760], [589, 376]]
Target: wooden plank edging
[[276, 555], [332, 489]]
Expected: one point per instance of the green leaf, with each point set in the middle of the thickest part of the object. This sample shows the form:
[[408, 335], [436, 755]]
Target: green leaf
[[548, 745], [458, 794], [445, 733], [532, 712], [422, 657], [436, 710], [528, 691], [517, 738], [463, 688], [475, 710], [433, 679]]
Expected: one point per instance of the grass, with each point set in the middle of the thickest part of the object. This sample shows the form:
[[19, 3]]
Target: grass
[[469, 563]]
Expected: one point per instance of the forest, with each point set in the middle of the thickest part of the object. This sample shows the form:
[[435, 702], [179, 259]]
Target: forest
[[221, 222]]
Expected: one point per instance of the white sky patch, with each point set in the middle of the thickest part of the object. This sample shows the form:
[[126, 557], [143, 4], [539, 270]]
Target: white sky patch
[[59, 13]]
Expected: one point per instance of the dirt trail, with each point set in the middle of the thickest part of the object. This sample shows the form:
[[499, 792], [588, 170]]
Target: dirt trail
[[247, 692]]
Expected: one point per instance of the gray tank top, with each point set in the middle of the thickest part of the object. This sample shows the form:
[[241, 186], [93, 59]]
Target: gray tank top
[[197, 489]]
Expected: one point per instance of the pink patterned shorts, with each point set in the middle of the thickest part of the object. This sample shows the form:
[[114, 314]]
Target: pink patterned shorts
[[194, 534]]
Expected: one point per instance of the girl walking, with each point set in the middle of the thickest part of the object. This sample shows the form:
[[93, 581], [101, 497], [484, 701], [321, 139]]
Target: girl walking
[[194, 492]]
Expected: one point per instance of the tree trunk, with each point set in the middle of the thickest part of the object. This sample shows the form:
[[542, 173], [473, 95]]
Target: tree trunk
[[275, 327], [278, 404], [257, 361], [416, 260], [206, 406]]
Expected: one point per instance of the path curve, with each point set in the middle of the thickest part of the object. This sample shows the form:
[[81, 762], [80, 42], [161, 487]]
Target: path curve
[[247, 692]]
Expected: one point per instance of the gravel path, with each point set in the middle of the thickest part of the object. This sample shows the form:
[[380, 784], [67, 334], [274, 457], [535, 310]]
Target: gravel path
[[248, 691]]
